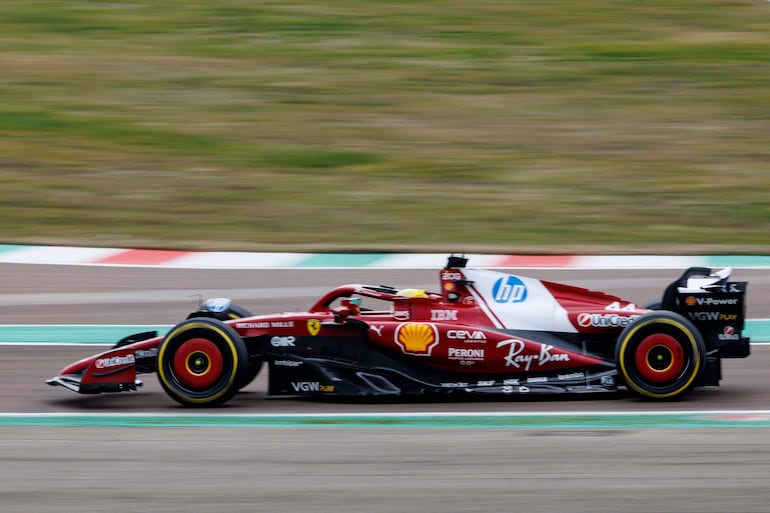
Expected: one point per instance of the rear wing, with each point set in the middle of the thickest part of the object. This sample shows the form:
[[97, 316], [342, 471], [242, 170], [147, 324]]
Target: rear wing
[[715, 305]]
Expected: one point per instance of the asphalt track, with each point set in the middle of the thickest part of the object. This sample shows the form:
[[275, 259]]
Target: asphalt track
[[627, 465]]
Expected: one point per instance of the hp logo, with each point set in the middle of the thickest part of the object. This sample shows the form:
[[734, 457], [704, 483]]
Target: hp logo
[[509, 290]]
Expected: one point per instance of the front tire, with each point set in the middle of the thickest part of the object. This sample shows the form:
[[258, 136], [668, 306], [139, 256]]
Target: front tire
[[202, 362], [660, 356], [232, 311]]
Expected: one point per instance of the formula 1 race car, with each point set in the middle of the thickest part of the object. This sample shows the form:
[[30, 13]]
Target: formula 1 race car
[[484, 332]]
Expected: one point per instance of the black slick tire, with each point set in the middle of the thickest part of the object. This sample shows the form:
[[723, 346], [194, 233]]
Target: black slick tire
[[660, 356], [202, 362]]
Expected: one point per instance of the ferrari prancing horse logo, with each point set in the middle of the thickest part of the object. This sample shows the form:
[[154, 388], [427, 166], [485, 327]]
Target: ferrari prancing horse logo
[[313, 326]]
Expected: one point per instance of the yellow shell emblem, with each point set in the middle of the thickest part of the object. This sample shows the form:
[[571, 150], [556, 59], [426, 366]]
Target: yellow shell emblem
[[416, 338]]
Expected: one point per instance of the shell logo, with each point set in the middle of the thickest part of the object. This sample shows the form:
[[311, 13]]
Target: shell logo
[[417, 338]]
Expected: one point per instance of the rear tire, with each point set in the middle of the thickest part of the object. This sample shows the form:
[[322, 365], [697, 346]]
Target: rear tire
[[660, 356], [252, 371], [254, 366], [233, 311], [202, 362]]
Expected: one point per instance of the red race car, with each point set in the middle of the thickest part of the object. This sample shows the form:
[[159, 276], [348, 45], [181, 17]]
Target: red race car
[[482, 332]]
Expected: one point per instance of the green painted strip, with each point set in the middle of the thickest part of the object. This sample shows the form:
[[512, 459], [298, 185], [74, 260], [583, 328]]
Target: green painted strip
[[4, 248], [446, 421], [72, 333], [760, 261], [757, 329], [341, 260]]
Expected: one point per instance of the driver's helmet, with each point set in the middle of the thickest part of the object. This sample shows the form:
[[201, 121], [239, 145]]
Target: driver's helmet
[[412, 293]]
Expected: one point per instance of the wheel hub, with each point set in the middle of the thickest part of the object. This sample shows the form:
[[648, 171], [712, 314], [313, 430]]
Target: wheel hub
[[660, 358], [198, 363]]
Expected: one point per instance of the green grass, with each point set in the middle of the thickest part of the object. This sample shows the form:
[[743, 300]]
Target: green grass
[[553, 126]]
